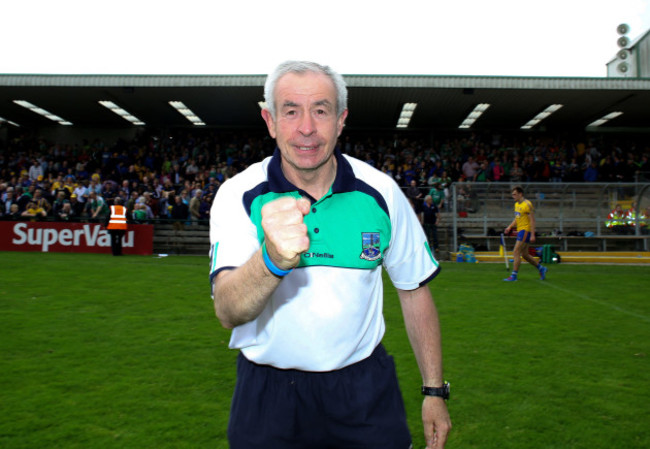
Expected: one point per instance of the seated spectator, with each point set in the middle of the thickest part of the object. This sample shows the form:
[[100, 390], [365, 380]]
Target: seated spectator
[[8, 200], [66, 213], [34, 212], [206, 204], [180, 213], [14, 213], [58, 203], [109, 191], [24, 196], [41, 201], [81, 191], [96, 208], [195, 206], [149, 205], [76, 206], [139, 213]]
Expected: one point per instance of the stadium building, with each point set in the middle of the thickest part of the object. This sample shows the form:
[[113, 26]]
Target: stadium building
[[428, 109]]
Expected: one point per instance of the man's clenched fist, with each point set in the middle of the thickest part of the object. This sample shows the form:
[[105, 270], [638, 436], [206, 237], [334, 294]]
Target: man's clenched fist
[[285, 232]]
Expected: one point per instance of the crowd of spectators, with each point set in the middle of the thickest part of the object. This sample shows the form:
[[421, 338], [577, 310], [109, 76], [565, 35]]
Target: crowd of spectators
[[176, 177]]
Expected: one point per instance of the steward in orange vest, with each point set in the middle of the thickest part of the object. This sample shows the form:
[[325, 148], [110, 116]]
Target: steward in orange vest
[[117, 226]]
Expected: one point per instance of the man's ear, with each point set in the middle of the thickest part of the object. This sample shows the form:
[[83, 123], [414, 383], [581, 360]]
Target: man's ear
[[270, 123], [341, 122]]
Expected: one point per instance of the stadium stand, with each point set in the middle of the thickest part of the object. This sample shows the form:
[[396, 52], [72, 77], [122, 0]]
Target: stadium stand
[[149, 172]]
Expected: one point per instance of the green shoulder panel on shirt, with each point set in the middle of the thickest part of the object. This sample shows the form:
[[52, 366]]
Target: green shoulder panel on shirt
[[347, 229]]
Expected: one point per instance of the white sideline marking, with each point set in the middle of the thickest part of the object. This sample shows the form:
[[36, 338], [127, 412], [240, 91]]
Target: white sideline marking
[[596, 301]]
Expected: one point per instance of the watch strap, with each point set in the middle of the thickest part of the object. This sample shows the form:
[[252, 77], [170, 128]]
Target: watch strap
[[441, 392]]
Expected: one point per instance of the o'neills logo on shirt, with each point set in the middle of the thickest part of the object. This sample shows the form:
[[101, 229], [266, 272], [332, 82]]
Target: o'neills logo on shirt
[[318, 256]]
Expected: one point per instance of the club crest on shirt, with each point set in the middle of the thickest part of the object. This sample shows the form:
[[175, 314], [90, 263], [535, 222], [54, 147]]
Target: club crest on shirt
[[370, 247]]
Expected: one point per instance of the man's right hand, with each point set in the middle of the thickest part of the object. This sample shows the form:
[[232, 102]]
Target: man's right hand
[[285, 232]]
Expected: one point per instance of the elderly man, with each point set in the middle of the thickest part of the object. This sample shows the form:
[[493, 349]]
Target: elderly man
[[298, 244]]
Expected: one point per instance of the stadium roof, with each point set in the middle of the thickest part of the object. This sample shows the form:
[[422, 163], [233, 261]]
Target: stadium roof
[[375, 101]]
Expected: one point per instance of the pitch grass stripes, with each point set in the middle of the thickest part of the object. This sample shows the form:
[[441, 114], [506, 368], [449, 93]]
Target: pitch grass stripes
[[98, 352]]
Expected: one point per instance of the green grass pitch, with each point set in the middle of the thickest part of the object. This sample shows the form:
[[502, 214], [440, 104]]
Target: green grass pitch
[[103, 352]]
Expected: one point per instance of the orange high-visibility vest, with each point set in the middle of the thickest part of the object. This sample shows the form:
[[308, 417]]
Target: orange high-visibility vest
[[118, 218]]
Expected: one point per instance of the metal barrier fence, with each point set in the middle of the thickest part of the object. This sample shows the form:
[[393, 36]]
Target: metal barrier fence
[[560, 208]]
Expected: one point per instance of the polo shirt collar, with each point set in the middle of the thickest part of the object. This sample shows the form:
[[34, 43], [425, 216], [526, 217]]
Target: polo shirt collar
[[344, 181]]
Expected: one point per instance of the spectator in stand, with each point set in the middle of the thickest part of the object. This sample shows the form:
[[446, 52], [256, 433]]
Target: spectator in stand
[[125, 187], [23, 197], [81, 190], [206, 204], [482, 174], [180, 213], [41, 201], [191, 170], [415, 195], [34, 211], [57, 185], [139, 213], [66, 213], [591, 173], [14, 213], [94, 185], [109, 191], [144, 201], [558, 168], [430, 218], [606, 169], [437, 195], [497, 170], [35, 171], [470, 168], [97, 208], [69, 185], [195, 206], [76, 206], [131, 202], [8, 200], [57, 206]]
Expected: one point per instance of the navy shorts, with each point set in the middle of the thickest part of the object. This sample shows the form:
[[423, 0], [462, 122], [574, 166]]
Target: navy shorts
[[523, 236], [359, 406]]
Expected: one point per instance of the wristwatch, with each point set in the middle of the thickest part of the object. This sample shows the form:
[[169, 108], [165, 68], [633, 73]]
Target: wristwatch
[[441, 392]]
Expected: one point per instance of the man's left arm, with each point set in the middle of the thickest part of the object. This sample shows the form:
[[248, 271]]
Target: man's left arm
[[423, 329], [531, 217]]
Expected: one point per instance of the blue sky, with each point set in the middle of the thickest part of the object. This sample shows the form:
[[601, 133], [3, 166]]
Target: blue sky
[[464, 37]]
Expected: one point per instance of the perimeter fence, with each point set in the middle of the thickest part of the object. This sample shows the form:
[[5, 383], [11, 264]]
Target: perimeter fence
[[573, 215]]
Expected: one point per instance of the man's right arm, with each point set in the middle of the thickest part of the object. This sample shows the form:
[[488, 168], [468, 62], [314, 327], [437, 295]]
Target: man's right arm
[[241, 294]]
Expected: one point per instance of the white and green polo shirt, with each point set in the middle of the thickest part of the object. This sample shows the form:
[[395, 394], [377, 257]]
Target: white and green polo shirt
[[327, 313]]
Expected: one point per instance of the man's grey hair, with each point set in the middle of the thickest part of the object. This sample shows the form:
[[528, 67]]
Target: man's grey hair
[[300, 67]]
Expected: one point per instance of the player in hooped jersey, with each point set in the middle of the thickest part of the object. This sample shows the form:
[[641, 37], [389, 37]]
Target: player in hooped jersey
[[525, 224]]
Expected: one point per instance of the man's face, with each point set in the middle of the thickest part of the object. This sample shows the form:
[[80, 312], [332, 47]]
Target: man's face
[[305, 127], [517, 196]]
